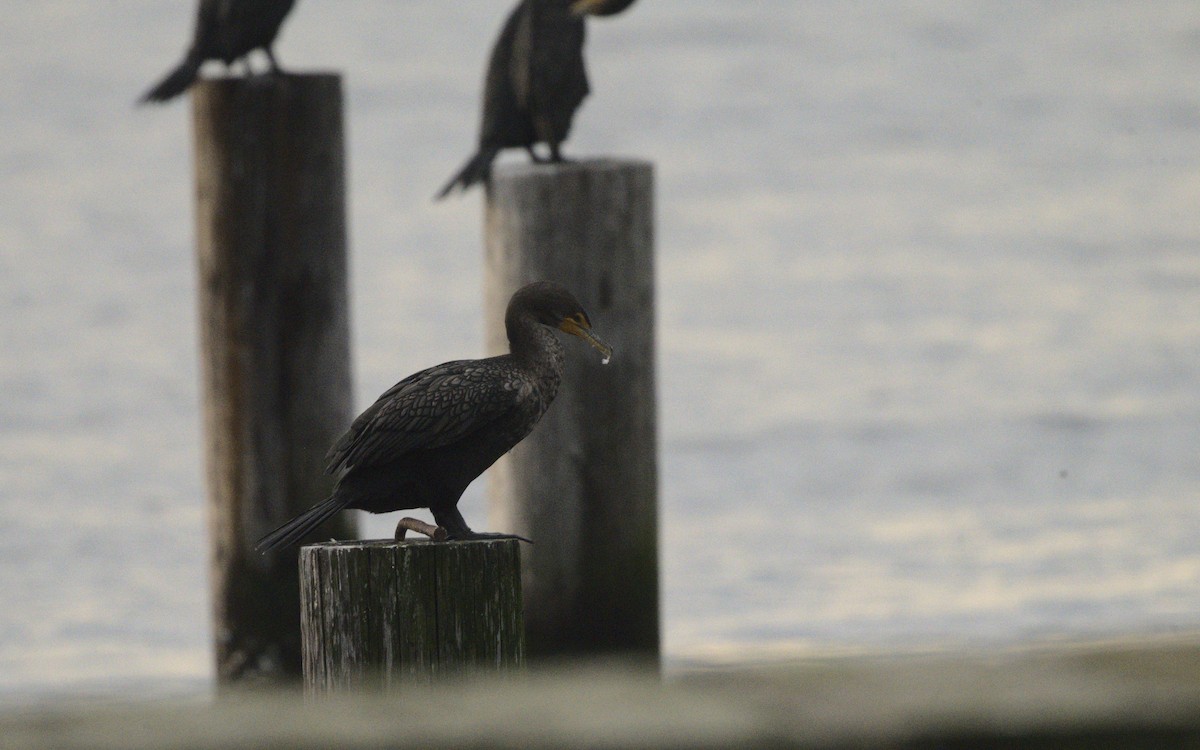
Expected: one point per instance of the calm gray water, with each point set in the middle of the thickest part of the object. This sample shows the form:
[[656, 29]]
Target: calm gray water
[[929, 313]]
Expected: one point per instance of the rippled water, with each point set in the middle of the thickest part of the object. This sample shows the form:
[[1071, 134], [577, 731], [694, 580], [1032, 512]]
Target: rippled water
[[929, 312]]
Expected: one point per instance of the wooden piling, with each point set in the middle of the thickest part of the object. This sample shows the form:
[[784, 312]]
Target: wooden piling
[[274, 332], [584, 485], [383, 614]]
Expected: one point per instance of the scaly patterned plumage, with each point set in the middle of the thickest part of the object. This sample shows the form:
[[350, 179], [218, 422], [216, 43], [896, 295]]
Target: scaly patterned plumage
[[429, 436]]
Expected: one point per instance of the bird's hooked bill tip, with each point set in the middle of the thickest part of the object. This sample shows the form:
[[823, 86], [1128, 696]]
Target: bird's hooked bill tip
[[598, 343], [578, 326]]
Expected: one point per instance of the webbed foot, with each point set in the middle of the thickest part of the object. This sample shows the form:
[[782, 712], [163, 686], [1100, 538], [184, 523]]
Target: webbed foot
[[458, 531], [468, 535]]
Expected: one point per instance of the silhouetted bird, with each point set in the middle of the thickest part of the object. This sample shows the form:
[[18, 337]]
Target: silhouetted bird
[[434, 432], [535, 81], [226, 30]]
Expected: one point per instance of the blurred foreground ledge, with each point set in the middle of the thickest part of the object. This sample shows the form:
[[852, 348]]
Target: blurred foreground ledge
[[1120, 694]]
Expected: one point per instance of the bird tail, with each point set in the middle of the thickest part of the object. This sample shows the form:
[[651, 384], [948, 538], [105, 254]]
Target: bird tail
[[175, 83], [292, 531], [475, 170]]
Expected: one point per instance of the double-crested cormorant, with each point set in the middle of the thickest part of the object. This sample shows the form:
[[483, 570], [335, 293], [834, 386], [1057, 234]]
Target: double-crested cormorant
[[535, 81], [226, 30], [434, 432]]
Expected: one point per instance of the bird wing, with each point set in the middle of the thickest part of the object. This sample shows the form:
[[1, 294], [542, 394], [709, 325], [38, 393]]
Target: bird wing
[[429, 409], [209, 17], [557, 79], [516, 45]]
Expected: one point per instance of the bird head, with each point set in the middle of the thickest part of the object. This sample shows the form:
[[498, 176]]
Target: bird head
[[554, 306]]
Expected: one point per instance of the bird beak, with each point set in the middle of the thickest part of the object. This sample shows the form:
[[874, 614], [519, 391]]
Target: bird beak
[[599, 7], [584, 7], [580, 328]]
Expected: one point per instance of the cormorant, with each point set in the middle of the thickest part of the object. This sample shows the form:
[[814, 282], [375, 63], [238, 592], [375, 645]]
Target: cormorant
[[433, 433], [226, 30], [535, 81]]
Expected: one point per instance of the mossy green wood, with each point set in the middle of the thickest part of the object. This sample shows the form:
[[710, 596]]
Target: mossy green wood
[[401, 578], [385, 613], [485, 604], [346, 589]]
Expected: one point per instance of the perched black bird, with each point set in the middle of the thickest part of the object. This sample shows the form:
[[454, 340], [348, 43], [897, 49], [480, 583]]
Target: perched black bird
[[535, 81], [226, 30], [434, 432]]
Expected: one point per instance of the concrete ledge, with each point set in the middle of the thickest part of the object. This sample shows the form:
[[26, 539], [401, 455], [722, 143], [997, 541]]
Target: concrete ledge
[[1097, 695]]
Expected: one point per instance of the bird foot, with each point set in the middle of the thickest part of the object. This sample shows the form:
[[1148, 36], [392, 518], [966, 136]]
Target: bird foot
[[470, 536], [436, 533], [554, 157]]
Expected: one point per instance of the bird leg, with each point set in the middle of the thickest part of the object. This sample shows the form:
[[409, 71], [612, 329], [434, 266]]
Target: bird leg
[[275, 70], [458, 531], [555, 156], [436, 533]]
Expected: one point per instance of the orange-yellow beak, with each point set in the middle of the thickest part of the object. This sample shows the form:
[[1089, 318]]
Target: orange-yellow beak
[[579, 326]]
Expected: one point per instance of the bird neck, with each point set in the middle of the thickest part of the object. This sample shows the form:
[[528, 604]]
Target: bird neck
[[534, 346]]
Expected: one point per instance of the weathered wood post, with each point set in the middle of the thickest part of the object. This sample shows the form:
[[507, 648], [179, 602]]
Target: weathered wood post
[[274, 333], [383, 613], [584, 485]]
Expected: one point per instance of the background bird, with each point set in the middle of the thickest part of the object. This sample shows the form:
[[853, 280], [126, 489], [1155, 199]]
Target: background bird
[[535, 81], [226, 30], [430, 435]]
